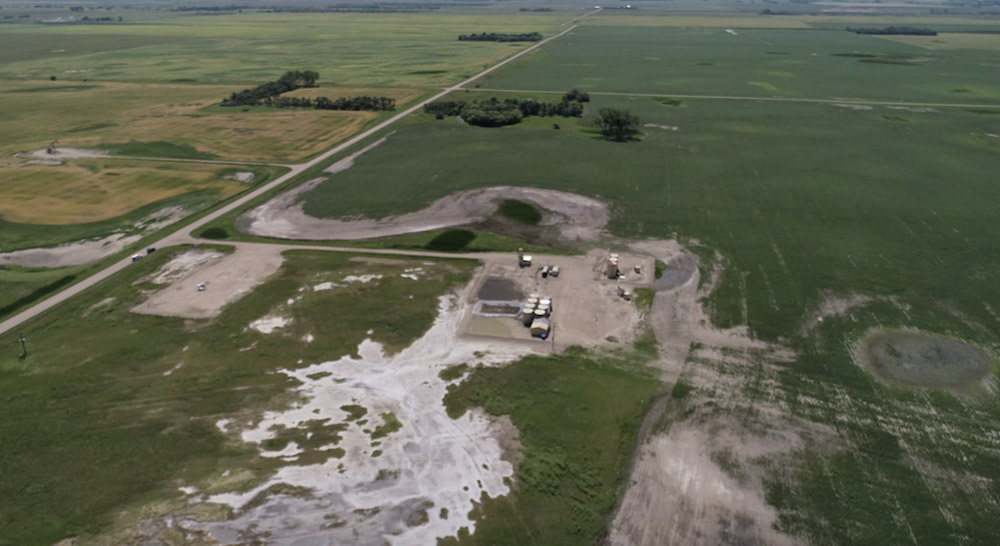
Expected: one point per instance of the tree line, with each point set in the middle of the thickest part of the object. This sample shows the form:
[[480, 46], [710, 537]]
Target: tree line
[[894, 31], [289, 81], [371, 104], [498, 37], [494, 112], [269, 94]]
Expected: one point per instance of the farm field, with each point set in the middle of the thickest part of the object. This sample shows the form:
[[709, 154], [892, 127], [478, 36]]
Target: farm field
[[133, 119], [100, 196], [362, 50], [796, 63], [93, 190]]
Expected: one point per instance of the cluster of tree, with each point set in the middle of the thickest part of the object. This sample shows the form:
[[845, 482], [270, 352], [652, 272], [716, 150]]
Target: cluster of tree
[[444, 108], [494, 112], [537, 10], [372, 104], [894, 31], [289, 81], [577, 95], [616, 124], [498, 37], [88, 19]]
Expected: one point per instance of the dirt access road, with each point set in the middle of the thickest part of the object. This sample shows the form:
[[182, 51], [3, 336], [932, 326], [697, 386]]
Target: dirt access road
[[294, 170]]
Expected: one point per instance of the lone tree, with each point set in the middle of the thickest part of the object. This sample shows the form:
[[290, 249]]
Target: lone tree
[[618, 125]]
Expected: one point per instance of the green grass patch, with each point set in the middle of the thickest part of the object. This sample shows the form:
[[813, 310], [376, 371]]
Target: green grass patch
[[577, 417], [643, 298], [37, 294], [354, 411], [452, 373], [451, 241], [519, 211], [659, 266], [389, 425], [159, 149], [215, 233]]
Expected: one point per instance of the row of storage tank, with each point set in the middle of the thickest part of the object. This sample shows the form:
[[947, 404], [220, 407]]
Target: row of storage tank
[[535, 307]]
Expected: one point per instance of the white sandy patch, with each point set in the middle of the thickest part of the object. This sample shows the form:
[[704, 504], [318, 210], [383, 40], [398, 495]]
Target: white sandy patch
[[162, 218], [270, 323], [854, 106], [172, 370], [308, 338], [188, 490], [732, 32], [62, 154], [914, 109], [664, 127], [363, 279], [180, 265], [432, 463], [412, 273], [326, 286], [245, 177]]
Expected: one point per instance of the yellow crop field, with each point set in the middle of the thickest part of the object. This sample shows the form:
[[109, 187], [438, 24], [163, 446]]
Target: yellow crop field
[[99, 114], [98, 189]]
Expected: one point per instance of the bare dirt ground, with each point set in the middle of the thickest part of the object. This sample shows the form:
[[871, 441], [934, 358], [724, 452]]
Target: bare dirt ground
[[577, 218], [59, 155], [227, 278], [679, 491], [79, 253], [586, 309]]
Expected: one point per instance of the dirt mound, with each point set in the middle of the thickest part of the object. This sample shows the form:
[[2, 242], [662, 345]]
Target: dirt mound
[[925, 360], [573, 216]]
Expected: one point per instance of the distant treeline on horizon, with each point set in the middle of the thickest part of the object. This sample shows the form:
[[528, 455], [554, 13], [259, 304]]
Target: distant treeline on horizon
[[498, 37]]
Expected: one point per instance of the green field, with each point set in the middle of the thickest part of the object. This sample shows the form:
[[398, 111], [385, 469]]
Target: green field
[[794, 63]]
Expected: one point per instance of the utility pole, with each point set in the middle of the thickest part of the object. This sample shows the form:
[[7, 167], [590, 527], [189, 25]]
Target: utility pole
[[24, 348]]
